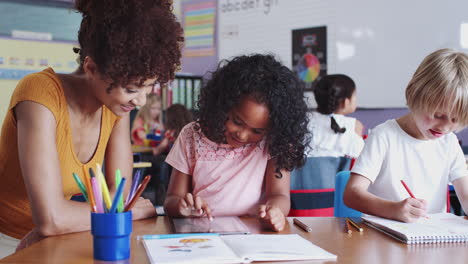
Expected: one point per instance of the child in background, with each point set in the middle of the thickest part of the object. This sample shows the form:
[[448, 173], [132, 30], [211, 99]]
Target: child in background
[[335, 134], [176, 117], [236, 158], [147, 120], [418, 148]]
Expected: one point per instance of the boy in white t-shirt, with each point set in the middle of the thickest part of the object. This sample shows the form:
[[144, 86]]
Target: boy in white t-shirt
[[418, 148]]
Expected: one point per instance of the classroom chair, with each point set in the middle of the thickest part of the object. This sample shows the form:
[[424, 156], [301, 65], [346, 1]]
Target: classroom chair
[[341, 210], [313, 186]]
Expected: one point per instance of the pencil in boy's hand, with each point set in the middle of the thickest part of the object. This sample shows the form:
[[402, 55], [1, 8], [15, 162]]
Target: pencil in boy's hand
[[81, 186], [354, 224], [348, 227], [118, 196], [137, 194], [407, 189]]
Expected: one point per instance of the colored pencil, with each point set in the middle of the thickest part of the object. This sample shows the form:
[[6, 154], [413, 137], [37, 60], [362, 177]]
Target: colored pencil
[[348, 227], [138, 192], [104, 189], [135, 182], [407, 189], [81, 186], [354, 224], [96, 191], [118, 196]]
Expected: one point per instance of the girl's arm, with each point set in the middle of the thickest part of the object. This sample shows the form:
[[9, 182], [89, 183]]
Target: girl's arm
[[359, 128], [461, 188], [278, 202], [52, 214], [357, 197], [119, 156], [179, 199]]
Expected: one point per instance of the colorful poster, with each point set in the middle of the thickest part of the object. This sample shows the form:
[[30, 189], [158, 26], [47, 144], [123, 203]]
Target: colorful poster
[[309, 54], [21, 57], [199, 28]]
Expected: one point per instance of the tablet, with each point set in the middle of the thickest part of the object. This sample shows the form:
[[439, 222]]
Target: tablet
[[221, 224]]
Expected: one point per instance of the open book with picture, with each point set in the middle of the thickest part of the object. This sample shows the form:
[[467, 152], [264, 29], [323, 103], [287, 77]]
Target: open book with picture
[[437, 228], [214, 248]]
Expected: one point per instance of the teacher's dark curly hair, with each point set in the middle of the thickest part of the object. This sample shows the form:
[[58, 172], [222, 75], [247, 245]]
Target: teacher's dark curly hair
[[130, 40]]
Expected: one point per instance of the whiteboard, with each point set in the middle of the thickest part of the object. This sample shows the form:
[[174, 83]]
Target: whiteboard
[[378, 43]]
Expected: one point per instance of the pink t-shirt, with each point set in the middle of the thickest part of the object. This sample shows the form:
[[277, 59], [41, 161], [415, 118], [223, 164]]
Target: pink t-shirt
[[229, 179]]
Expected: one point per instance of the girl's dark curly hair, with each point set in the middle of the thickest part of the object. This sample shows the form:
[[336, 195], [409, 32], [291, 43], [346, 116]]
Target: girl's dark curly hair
[[130, 40], [269, 82], [330, 91]]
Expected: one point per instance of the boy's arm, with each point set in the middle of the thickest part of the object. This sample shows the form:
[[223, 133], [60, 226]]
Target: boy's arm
[[357, 196], [461, 188]]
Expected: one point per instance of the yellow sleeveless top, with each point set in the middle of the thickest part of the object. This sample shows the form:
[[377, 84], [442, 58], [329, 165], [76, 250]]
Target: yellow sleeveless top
[[44, 88]]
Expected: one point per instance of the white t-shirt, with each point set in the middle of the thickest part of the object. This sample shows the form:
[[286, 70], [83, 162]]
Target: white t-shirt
[[326, 143], [427, 166]]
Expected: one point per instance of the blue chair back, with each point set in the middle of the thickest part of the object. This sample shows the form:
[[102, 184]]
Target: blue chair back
[[341, 210], [313, 186]]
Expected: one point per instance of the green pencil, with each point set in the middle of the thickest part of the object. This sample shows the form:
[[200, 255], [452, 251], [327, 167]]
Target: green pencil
[[81, 186], [118, 178]]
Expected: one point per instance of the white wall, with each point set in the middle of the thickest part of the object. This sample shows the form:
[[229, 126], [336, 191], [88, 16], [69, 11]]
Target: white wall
[[378, 43]]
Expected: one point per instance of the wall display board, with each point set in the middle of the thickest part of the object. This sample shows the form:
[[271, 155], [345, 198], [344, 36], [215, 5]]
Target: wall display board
[[309, 54]]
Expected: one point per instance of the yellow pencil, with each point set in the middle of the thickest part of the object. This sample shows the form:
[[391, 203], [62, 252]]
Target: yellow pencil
[[354, 224], [105, 190]]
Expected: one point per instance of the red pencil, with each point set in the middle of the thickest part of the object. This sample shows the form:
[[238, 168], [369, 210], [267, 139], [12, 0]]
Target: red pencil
[[137, 194], [408, 189]]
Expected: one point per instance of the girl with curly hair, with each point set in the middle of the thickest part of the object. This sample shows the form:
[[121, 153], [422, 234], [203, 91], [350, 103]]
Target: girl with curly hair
[[236, 158], [58, 124]]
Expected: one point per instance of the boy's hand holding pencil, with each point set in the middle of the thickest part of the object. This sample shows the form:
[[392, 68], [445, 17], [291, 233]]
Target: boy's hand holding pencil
[[410, 209]]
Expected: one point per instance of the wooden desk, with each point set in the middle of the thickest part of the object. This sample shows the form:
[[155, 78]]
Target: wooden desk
[[370, 246]]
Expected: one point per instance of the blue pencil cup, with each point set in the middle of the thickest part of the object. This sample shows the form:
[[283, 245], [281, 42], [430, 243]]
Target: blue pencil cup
[[111, 235]]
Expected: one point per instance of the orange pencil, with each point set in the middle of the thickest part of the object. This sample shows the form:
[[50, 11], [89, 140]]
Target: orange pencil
[[87, 181], [348, 227], [137, 194]]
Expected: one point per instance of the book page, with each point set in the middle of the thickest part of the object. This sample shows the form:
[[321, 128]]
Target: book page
[[275, 247], [189, 249], [220, 224]]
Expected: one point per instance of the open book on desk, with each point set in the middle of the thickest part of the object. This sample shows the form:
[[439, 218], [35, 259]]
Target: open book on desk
[[437, 228], [213, 248], [224, 225]]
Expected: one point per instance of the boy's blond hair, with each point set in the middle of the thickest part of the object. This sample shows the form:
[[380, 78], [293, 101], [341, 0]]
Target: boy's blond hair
[[144, 111], [441, 84]]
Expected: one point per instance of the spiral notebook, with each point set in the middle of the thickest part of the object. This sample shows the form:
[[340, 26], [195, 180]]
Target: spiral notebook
[[437, 228]]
